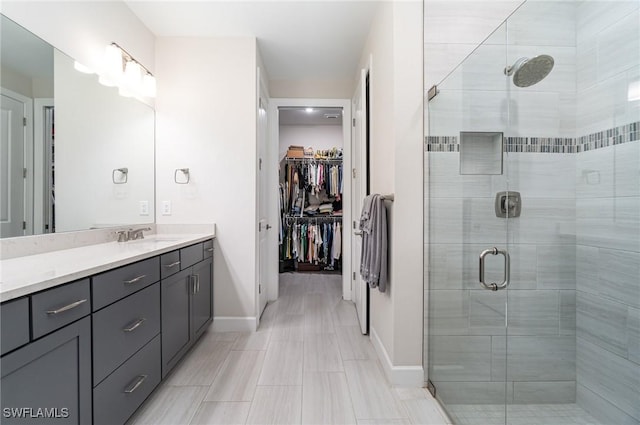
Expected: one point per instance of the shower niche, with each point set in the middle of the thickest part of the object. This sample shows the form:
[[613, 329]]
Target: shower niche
[[481, 152]]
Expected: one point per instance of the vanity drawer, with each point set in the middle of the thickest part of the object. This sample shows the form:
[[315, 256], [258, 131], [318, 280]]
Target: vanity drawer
[[169, 263], [123, 328], [207, 248], [191, 255], [115, 284], [57, 307], [118, 396], [14, 323]]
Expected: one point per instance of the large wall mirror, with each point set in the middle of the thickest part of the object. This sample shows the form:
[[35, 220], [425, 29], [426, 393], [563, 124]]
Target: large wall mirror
[[75, 155]]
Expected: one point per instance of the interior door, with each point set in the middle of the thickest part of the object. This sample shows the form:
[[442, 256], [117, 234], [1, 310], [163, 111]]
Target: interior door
[[360, 289], [12, 166], [263, 224]]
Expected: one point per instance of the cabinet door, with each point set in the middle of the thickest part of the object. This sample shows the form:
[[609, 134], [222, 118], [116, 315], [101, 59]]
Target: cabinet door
[[176, 296], [49, 380], [202, 307]]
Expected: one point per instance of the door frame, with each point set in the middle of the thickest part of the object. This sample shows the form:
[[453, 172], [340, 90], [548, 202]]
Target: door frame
[[264, 171], [40, 166], [28, 156], [345, 104]]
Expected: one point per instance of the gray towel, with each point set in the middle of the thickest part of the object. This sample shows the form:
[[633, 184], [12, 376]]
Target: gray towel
[[373, 257]]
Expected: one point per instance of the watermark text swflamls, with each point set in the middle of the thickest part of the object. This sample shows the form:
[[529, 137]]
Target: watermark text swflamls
[[35, 413]]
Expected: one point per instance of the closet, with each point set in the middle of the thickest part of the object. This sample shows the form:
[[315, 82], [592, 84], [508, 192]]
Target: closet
[[311, 187]]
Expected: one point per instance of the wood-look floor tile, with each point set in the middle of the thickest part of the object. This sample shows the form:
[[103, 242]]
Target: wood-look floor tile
[[288, 327], [201, 365], [170, 405], [402, 421], [282, 364], [321, 353], [370, 392], [278, 405], [326, 399], [222, 413], [317, 314], [344, 313], [424, 411], [354, 345], [258, 340], [238, 377]]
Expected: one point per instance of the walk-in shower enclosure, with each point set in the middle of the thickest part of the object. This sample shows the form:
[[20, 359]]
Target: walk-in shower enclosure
[[560, 342]]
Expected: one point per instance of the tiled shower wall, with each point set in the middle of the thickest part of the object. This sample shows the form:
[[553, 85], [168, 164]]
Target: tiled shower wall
[[608, 214], [575, 247]]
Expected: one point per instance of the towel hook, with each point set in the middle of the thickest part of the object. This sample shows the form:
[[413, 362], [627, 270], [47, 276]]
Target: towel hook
[[123, 173], [184, 171]]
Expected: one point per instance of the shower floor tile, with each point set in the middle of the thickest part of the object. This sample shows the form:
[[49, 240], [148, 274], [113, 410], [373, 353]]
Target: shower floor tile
[[520, 414]]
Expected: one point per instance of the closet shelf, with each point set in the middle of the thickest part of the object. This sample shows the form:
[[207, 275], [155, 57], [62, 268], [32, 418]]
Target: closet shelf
[[303, 160]]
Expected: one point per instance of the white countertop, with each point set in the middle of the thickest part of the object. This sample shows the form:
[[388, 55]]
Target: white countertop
[[25, 275]]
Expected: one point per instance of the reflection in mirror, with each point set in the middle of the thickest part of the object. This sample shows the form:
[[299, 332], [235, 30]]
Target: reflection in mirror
[[70, 181]]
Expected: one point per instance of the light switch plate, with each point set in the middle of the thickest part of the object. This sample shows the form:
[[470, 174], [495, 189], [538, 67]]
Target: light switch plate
[[144, 207], [166, 207]]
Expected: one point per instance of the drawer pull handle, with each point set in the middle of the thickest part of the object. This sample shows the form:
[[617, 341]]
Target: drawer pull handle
[[136, 384], [172, 264], [209, 249], [67, 307], [134, 325], [135, 279]]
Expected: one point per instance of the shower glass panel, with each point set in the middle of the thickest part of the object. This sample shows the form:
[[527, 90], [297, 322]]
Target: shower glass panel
[[561, 343], [467, 329]]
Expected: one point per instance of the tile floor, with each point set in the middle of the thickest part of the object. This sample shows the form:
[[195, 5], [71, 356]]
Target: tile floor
[[307, 364], [520, 414]]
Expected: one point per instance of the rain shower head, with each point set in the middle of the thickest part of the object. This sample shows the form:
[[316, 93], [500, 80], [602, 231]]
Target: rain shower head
[[527, 72]]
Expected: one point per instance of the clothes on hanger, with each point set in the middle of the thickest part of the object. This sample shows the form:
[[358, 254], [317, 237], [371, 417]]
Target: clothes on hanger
[[315, 243]]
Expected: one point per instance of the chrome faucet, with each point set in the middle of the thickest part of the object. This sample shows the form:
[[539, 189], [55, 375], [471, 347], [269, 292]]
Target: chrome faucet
[[134, 234]]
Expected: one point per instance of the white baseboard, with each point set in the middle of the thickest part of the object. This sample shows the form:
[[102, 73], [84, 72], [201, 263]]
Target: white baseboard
[[398, 376], [234, 324]]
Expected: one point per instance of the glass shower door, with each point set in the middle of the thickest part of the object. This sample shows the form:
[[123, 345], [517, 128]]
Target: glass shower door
[[468, 252]]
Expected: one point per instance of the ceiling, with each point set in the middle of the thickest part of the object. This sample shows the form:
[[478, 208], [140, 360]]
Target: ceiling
[[297, 39], [310, 116]]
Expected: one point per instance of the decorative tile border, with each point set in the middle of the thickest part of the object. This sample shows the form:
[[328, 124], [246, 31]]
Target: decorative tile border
[[602, 139]]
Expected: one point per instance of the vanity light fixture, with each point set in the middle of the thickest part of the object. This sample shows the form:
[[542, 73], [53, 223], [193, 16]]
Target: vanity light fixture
[[124, 71]]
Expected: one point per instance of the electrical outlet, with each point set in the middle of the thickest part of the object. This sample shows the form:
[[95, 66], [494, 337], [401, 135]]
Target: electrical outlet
[[166, 207], [144, 207]]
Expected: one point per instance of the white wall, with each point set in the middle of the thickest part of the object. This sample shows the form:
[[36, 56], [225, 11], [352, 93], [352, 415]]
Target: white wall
[[396, 51], [316, 136], [83, 29], [312, 89], [206, 121]]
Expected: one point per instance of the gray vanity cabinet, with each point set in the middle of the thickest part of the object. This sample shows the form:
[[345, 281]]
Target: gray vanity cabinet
[[93, 350], [202, 297], [176, 297], [49, 380], [187, 305]]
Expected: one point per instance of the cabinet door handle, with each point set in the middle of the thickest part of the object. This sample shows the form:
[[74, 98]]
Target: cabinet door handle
[[139, 380], [196, 283], [67, 307], [132, 327], [192, 279], [172, 264], [135, 279], [209, 249]]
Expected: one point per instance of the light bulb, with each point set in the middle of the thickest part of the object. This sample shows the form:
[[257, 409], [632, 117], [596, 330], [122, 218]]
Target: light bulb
[[149, 85], [112, 64], [132, 77]]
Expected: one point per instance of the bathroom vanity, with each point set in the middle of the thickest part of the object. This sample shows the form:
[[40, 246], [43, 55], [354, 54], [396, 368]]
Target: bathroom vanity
[[88, 333]]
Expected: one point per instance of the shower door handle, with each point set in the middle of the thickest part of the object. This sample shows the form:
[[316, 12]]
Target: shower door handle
[[507, 269]]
